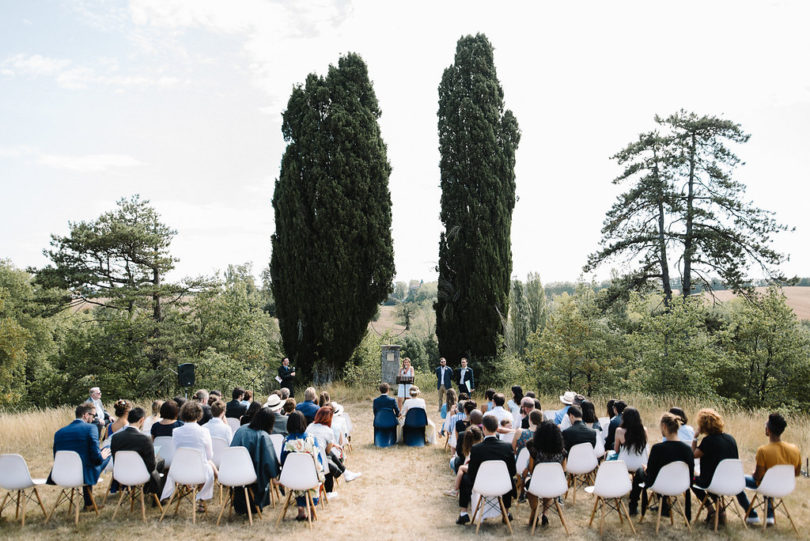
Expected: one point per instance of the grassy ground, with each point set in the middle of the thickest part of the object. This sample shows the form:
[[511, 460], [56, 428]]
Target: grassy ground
[[399, 494]]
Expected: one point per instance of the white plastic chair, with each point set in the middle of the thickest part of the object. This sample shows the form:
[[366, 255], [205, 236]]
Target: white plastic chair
[[551, 484], [188, 471], [728, 481], [522, 461], [778, 482], [612, 483], [236, 470], [219, 445], [234, 423], [672, 481], [15, 478], [491, 481], [130, 471], [580, 466], [68, 473], [166, 444], [604, 422], [278, 443], [299, 473]]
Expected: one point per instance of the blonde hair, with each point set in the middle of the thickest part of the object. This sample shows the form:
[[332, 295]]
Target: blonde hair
[[670, 422], [414, 390]]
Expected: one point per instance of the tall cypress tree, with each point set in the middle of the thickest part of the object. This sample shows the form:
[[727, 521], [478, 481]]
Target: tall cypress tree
[[477, 142], [333, 258]]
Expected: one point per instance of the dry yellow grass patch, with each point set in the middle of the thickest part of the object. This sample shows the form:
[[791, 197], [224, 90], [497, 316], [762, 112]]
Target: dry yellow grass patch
[[399, 495]]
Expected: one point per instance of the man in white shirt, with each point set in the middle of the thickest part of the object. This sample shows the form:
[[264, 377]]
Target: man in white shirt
[[498, 411], [193, 435], [101, 418], [217, 426]]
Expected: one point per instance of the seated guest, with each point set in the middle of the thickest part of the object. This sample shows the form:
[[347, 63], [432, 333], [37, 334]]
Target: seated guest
[[168, 422], [472, 437], [414, 402], [462, 421], [671, 449], [526, 407], [524, 435], [514, 404], [339, 426], [497, 409], [589, 415], [321, 430], [217, 426], [308, 407], [130, 438], [82, 437], [285, 393], [685, 433], [449, 407], [247, 399], [154, 418], [714, 447], [323, 399], [297, 441], [577, 432], [489, 449], [488, 405], [179, 400], [196, 437], [255, 437], [252, 410], [276, 405], [213, 396], [289, 405], [631, 445], [566, 420], [101, 418], [615, 421], [567, 398], [773, 453], [384, 401], [235, 409], [545, 446], [121, 408], [201, 396]]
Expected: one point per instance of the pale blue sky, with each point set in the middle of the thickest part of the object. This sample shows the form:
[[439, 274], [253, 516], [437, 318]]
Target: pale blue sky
[[181, 102]]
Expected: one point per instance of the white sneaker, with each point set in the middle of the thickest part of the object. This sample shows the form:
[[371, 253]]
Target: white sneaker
[[351, 476], [770, 521], [331, 495], [753, 521]]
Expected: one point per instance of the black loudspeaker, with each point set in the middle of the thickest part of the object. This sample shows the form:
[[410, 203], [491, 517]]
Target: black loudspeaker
[[185, 375]]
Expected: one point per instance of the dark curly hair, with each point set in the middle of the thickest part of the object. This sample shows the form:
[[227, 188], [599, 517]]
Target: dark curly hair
[[548, 439]]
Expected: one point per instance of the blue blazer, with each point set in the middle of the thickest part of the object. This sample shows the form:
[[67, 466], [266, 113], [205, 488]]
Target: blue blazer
[[385, 402], [448, 377], [308, 408], [83, 438]]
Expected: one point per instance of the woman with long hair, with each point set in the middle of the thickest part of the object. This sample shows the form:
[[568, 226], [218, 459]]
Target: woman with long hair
[[631, 445], [513, 405], [546, 446], [472, 436]]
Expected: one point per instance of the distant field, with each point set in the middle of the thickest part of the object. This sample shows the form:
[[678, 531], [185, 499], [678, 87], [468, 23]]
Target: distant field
[[798, 298]]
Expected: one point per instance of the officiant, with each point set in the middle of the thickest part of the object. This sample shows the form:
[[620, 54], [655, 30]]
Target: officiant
[[286, 376]]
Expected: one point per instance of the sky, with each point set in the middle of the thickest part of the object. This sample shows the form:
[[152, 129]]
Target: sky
[[181, 103]]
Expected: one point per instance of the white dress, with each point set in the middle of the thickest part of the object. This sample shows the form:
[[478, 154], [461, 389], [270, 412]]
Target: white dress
[[404, 389]]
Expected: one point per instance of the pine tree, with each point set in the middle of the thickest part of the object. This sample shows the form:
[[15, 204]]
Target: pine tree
[[332, 260], [477, 142]]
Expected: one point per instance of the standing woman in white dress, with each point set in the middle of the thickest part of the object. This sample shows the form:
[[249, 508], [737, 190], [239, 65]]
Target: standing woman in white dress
[[405, 380]]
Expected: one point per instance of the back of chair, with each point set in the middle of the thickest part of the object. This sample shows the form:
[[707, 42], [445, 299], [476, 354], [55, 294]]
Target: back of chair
[[67, 469], [673, 479], [778, 481], [14, 474], [612, 480], [507, 437], [492, 479], [166, 444], [415, 418], [548, 480], [129, 469], [599, 448], [581, 459], [522, 461], [234, 423], [298, 472], [188, 466], [278, 443], [218, 445], [348, 423], [385, 419], [236, 469], [728, 478]]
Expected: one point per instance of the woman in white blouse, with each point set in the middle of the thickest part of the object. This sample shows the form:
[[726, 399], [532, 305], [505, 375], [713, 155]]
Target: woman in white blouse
[[405, 380], [196, 437]]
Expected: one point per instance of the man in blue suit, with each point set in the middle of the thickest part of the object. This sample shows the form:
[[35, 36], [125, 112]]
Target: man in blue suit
[[82, 437], [444, 379], [384, 402]]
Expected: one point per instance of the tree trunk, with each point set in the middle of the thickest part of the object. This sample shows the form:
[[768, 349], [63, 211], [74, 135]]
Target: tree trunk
[[686, 283], [662, 245]]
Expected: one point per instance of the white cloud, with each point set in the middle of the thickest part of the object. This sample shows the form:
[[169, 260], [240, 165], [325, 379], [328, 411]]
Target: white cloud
[[34, 64], [90, 163], [16, 151]]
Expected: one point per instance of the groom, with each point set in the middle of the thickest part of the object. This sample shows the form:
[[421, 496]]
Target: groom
[[465, 378]]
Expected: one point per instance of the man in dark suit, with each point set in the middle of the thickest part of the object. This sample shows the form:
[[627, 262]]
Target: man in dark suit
[[235, 408], [615, 423], [465, 378], [444, 379], [287, 376], [578, 432], [384, 401], [490, 449], [82, 437], [132, 439]]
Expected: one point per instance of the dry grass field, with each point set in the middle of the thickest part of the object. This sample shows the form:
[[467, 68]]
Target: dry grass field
[[400, 494], [798, 298]]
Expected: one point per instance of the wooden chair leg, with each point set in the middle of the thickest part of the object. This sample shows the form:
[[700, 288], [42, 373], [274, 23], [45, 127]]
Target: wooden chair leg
[[595, 505], [475, 511], [562, 516], [660, 509], [602, 518], [21, 494], [284, 508], [168, 504], [310, 507], [782, 503], [118, 506], [77, 503], [41, 505], [248, 505], [505, 515], [194, 504], [228, 500], [624, 510]]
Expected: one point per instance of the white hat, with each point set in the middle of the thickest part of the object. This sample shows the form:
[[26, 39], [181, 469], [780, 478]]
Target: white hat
[[274, 403], [568, 397], [338, 409]]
